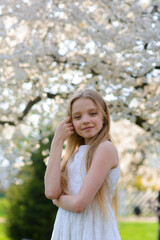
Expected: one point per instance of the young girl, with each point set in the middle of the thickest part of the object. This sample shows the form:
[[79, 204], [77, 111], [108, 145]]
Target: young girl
[[83, 183]]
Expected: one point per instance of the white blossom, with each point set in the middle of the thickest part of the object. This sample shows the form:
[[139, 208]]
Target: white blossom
[[49, 49]]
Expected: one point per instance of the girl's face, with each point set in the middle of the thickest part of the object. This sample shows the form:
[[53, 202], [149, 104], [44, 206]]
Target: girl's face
[[86, 118]]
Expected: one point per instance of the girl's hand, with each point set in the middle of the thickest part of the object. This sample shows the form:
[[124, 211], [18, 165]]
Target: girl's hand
[[55, 202], [64, 130], [67, 202]]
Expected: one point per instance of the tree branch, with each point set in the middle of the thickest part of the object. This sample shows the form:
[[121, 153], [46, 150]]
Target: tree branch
[[11, 123], [144, 75], [30, 105]]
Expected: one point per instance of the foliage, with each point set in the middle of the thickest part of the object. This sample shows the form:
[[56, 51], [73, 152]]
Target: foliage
[[30, 214]]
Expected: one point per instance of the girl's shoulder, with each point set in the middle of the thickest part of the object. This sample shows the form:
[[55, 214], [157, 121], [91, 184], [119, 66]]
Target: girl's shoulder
[[107, 145], [108, 149]]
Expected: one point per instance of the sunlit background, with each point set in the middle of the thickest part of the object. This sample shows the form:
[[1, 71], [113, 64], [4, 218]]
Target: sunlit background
[[50, 49]]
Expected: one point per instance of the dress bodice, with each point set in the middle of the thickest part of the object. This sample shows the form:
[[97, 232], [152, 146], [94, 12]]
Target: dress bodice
[[77, 172], [91, 223]]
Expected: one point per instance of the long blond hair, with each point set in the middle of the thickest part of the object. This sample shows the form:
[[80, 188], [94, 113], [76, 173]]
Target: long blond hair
[[74, 141]]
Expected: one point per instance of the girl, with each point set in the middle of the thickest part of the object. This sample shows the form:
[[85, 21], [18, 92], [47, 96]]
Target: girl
[[83, 184]]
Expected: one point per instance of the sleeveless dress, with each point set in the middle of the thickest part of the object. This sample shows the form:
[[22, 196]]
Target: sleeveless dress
[[90, 224]]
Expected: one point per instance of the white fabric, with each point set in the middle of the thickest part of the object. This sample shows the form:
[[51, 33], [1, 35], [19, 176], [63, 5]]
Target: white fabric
[[88, 225]]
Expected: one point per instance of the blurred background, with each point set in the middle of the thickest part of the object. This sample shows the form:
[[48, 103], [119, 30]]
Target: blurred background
[[50, 49]]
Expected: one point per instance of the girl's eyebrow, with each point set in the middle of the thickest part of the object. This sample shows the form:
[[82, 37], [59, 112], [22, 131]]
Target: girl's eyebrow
[[91, 109], [76, 113]]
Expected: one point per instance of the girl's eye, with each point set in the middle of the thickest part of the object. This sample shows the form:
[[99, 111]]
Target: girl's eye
[[93, 113], [77, 117]]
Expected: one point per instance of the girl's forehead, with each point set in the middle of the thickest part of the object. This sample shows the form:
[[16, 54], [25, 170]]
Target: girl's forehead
[[83, 104], [80, 101]]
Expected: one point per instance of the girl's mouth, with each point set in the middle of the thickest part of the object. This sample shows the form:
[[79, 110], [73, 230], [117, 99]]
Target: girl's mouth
[[87, 128]]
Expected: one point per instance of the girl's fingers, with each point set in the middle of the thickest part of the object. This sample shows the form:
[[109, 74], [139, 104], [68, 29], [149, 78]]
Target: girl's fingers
[[69, 125], [71, 129], [65, 129], [55, 202], [67, 119]]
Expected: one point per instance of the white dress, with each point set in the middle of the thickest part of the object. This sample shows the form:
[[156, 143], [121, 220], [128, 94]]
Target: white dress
[[88, 225]]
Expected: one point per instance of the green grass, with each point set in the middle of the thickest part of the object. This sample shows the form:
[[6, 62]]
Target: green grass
[[138, 231], [3, 203], [128, 230], [3, 235]]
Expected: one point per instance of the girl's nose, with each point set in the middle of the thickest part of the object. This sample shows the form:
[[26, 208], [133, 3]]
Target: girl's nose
[[85, 119]]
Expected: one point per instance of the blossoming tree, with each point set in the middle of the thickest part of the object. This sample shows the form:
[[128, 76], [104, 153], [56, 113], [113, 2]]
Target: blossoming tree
[[49, 49]]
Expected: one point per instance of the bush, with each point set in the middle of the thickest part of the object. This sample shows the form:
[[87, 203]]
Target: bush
[[30, 214]]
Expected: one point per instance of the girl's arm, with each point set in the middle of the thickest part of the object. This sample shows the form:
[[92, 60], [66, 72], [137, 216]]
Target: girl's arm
[[105, 158], [52, 174]]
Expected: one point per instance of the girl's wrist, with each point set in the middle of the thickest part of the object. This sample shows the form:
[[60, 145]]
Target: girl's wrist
[[58, 142]]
